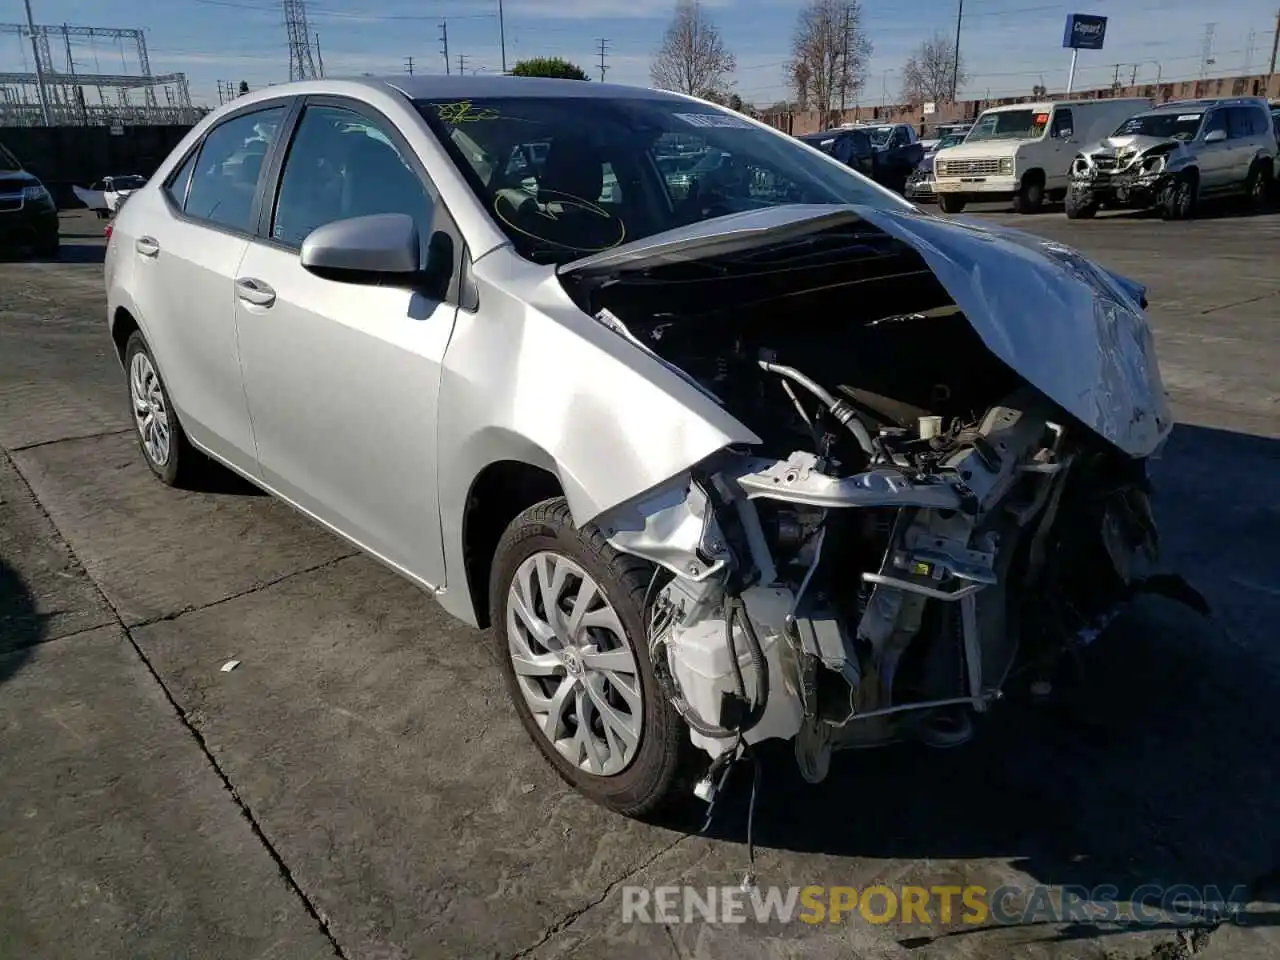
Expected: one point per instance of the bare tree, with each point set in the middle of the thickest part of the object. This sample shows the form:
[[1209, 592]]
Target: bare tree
[[693, 58], [929, 72], [829, 54]]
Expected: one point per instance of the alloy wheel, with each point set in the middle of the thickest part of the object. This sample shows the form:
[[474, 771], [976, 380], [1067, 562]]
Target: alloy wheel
[[150, 412], [574, 665]]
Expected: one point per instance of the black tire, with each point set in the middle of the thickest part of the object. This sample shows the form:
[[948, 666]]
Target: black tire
[[1030, 195], [665, 755], [1178, 197], [1078, 208], [1258, 186], [951, 202], [184, 462]]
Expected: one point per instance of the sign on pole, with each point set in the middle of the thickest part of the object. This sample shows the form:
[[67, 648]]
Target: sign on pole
[[1084, 31], [930, 108]]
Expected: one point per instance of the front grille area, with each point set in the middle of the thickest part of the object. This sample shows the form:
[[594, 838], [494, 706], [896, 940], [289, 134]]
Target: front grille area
[[968, 168], [1104, 162], [10, 202]]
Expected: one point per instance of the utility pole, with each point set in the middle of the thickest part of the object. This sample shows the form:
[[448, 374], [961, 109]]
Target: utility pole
[[1206, 49], [502, 38], [844, 60], [1133, 76], [603, 69], [319, 57], [444, 40], [408, 65], [462, 64], [1275, 48], [1115, 81], [955, 64]]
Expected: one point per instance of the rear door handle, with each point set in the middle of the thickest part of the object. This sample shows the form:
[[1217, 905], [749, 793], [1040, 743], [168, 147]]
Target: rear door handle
[[147, 246], [255, 292]]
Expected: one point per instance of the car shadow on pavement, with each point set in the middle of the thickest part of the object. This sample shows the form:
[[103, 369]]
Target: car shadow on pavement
[[1159, 765], [67, 253], [21, 626]]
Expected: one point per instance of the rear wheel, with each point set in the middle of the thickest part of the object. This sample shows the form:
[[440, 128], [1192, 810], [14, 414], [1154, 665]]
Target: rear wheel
[[1178, 198], [1258, 185], [569, 635], [164, 445], [951, 202]]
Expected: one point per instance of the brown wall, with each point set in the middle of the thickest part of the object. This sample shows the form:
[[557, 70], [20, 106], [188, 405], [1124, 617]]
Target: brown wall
[[811, 121]]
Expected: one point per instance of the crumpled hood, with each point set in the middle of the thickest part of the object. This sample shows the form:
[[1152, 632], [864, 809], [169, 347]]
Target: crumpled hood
[[1074, 331], [1071, 329]]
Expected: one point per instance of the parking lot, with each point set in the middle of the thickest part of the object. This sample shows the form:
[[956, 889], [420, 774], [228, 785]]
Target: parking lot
[[359, 787]]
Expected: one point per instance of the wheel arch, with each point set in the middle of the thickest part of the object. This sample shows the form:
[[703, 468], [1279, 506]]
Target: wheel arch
[[1034, 175], [123, 325]]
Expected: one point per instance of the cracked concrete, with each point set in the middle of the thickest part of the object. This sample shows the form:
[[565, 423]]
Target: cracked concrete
[[359, 787]]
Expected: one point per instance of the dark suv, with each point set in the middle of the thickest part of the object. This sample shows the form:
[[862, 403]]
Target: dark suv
[[28, 215]]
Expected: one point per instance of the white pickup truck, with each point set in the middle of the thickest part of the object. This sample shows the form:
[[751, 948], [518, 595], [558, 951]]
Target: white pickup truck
[[1023, 151]]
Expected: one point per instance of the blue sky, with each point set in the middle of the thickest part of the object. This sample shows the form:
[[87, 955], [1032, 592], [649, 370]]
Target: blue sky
[[1008, 45]]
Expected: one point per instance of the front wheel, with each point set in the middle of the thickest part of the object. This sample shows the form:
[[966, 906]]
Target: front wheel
[[570, 638], [1080, 206], [1030, 196], [951, 202], [1178, 198]]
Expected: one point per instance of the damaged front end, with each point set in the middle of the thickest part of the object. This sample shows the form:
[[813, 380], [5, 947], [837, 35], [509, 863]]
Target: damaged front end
[[1129, 172], [937, 495]]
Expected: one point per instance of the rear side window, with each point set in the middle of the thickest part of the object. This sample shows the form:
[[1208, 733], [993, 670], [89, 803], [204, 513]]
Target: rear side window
[[225, 179]]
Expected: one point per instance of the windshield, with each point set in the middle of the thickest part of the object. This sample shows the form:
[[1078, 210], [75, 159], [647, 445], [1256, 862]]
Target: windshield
[[1009, 125], [7, 160], [950, 140], [1175, 126], [616, 170]]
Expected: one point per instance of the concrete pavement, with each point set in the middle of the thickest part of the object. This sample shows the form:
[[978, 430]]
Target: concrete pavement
[[359, 786]]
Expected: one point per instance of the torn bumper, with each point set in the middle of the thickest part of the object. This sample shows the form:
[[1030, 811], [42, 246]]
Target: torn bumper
[[1131, 188]]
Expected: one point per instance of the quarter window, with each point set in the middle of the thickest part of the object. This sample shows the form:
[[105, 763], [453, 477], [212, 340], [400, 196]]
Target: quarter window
[[224, 182], [177, 185], [342, 165]]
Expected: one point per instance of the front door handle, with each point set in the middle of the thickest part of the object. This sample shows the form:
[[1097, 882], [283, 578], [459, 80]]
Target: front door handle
[[255, 292], [147, 246]]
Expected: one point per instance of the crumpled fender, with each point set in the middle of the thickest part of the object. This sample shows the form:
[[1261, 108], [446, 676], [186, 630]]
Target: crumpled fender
[[1072, 330]]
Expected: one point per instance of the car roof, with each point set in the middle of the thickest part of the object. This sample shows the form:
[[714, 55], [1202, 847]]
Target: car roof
[[433, 85], [1204, 103]]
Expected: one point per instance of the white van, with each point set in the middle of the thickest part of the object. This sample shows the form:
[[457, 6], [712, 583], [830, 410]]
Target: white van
[[1024, 151]]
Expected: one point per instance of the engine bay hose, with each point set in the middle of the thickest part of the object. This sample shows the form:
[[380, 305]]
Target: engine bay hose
[[842, 411], [736, 611]]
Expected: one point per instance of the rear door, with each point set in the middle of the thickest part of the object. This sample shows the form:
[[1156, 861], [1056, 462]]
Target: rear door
[[186, 254], [341, 377]]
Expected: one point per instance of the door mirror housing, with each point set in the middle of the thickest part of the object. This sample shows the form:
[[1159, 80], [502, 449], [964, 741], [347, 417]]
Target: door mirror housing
[[1215, 136], [365, 249]]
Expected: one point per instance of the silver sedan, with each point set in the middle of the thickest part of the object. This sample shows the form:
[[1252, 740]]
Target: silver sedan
[[764, 454]]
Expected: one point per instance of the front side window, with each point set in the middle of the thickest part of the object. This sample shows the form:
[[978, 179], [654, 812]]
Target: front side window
[[1009, 125], [225, 179], [608, 171], [342, 165], [1063, 125], [1217, 121]]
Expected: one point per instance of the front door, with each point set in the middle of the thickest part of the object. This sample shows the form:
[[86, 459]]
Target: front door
[[342, 378]]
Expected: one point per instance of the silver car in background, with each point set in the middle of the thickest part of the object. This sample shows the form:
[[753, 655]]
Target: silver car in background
[[772, 455]]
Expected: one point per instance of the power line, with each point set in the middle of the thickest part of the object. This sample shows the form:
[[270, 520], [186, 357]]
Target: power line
[[603, 68]]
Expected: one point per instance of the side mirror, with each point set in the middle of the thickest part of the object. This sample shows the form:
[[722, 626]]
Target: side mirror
[[1215, 136], [362, 249]]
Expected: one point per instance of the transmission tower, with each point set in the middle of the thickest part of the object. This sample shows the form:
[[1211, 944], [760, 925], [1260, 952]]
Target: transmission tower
[[1206, 49], [604, 67], [302, 65]]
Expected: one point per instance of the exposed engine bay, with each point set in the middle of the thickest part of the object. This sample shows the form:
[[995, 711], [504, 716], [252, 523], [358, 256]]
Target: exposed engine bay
[[918, 520]]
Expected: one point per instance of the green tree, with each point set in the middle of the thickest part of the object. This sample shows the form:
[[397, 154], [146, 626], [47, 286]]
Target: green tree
[[555, 67]]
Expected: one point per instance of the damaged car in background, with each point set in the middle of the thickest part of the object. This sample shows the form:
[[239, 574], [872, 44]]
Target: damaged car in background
[[776, 458], [1175, 155]]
